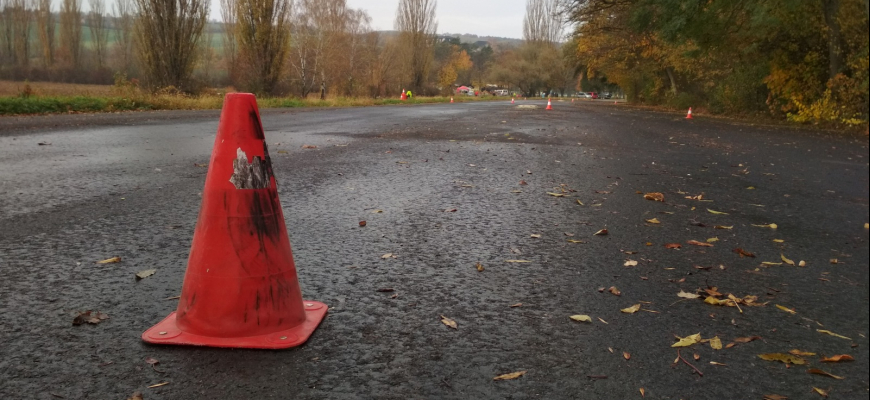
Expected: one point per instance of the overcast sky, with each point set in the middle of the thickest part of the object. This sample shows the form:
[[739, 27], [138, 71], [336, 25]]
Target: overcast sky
[[502, 18]]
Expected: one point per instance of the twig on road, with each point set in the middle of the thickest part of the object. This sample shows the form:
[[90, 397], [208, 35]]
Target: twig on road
[[680, 356]]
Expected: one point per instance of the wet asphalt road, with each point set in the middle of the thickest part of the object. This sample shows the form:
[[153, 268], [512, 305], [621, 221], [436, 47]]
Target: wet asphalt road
[[128, 185]]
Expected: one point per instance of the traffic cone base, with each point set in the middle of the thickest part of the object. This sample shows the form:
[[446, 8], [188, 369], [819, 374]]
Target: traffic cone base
[[168, 332], [240, 288]]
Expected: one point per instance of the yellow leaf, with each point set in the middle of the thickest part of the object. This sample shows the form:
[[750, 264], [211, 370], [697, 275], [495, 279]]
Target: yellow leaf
[[823, 373], [642, 392], [716, 212], [110, 260], [866, 225], [786, 260], [801, 353], [581, 318], [782, 357], [631, 310], [802, 263], [688, 340], [716, 302], [535, 236], [838, 358], [771, 226], [653, 221], [580, 202], [449, 322], [750, 188], [517, 261], [771, 263], [507, 377], [786, 309], [630, 263], [556, 194], [605, 322], [718, 363], [575, 241], [687, 295], [479, 267], [716, 343], [602, 232], [821, 392], [778, 241], [712, 240], [827, 332], [655, 196], [723, 227]]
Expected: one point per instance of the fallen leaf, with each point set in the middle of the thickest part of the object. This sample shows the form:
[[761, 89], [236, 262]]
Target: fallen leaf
[[823, 373], [449, 322], [746, 339], [158, 385], [696, 356], [626, 355], [642, 392], [362, 224], [516, 305], [801, 353], [716, 343], [535, 236], [110, 260], [654, 196], [821, 392], [517, 261], [712, 240], [653, 221], [770, 263], [89, 317], [687, 295], [717, 363], [602, 232], [144, 274], [581, 318], [631, 310], [771, 226], [556, 194], [136, 396], [743, 253], [716, 302], [377, 211], [579, 202], [838, 358], [523, 182], [786, 260], [786, 309], [603, 321], [827, 332], [802, 263], [309, 146], [716, 212], [507, 377], [479, 267], [697, 243], [688, 340], [388, 255], [778, 241], [673, 246], [575, 241], [835, 261], [774, 397], [783, 357], [614, 291], [723, 227], [630, 263]]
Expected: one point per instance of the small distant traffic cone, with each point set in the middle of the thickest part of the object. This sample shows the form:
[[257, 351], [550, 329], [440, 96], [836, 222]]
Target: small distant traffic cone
[[512, 100], [404, 95], [240, 289], [451, 99], [549, 105], [689, 115], [572, 100]]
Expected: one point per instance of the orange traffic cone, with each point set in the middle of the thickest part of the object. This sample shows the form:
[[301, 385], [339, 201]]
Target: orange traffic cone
[[549, 105], [512, 100], [451, 99], [404, 95], [240, 289], [689, 115]]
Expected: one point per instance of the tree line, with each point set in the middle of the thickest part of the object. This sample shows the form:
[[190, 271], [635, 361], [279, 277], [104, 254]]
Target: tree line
[[805, 60]]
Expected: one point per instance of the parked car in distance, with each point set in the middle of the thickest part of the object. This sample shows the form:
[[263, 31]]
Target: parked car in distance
[[593, 95], [606, 95], [583, 95]]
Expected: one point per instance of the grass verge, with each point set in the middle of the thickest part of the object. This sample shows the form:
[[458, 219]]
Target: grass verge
[[34, 105]]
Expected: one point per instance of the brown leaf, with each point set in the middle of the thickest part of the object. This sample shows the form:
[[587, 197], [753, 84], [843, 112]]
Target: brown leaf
[[89, 317], [746, 339], [696, 356], [626, 355], [449, 322], [673, 246], [362, 224], [697, 243], [838, 358], [743, 253], [783, 357], [479, 267], [507, 377], [654, 196], [642, 392], [614, 290], [653, 221], [110, 260], [774, 397], [309, 146], [817, 371], [516, 305], [523, 182], [801, 353], [136, 396]]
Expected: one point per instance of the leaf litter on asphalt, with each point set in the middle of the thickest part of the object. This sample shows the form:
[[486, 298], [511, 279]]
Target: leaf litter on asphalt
[[449, 322], [89, 317], [510, 376]]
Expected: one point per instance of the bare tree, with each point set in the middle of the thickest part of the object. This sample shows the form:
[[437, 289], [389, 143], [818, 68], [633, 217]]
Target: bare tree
[[262, 36], [45, 27], [6, 47], [21, 18], [97, 26], [543, 22], [124, 32], [415, 21], [71, 31], [168, 34], [228, 40]]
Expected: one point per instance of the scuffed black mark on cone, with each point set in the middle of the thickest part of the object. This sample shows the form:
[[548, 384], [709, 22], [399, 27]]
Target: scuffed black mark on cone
[[256, 175]]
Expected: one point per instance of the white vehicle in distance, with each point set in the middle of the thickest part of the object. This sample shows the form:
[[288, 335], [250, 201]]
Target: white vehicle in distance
[[584, 95]]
